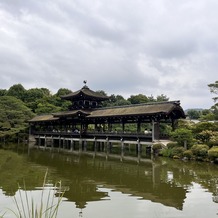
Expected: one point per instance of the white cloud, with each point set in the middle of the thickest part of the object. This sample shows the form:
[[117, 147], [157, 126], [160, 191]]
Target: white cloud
[[123, 47]]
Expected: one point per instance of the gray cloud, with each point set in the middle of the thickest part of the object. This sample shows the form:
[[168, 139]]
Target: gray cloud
[[122, 47]]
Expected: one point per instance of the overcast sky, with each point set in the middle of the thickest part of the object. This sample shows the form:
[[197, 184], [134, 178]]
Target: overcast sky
[[123, 47]]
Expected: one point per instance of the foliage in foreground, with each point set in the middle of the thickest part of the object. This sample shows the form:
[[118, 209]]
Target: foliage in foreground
[[47, 207]]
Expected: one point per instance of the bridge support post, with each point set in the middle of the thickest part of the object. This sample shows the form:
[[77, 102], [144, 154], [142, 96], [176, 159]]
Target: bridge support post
[[39, 141], [139, 150], [107, 147], [122, 150], [85, 145], [71, 145], [80, 144], [95, 147], [155, 130], [52, 143], [59, 144], [45, 145]]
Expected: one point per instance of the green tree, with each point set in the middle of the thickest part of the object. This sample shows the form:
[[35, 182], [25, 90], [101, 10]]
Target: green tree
[[162, 97], [46, 108], [193, 114], [14, 115], [214, 109], [46, 92], [62, 91], [214, 89], [138, 99], [32, 96], [3, 92], [207, 115], [17, 91], [117, 100]]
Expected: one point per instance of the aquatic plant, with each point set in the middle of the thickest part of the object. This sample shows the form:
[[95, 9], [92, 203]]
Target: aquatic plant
[[47, 207]]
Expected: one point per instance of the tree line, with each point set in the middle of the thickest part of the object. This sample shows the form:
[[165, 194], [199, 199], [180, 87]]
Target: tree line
[[42, 101], [18, 105]]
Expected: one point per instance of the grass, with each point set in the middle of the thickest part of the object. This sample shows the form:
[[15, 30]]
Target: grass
[[46, 207]]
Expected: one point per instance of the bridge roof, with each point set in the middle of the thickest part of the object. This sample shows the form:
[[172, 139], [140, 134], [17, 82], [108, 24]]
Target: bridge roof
[[148, 109], [169, 108], [44, 118]]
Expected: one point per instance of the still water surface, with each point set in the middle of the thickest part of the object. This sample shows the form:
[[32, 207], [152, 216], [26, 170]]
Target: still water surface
[[96, 187]]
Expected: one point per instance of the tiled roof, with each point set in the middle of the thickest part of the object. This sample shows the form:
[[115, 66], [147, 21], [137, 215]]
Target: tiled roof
[[148, 109], [43, 118], [140, 109], [85, 91]]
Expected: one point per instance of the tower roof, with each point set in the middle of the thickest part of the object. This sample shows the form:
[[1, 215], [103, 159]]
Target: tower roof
[[85, 92]]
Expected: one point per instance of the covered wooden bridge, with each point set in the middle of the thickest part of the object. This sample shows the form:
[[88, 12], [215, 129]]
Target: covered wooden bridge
[[87, 121]]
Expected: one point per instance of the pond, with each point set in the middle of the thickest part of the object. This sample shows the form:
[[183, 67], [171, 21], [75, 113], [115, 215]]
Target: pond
[[100, 187]]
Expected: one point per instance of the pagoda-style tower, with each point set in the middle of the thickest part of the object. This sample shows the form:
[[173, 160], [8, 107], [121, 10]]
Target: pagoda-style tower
[[85, 98]]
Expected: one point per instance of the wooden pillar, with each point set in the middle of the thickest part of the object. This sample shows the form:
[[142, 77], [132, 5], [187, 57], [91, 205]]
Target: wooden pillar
[[155, 130], [123, 126], [96, 127], [109, 127], [45, 145], [39, 141], [138, 126]]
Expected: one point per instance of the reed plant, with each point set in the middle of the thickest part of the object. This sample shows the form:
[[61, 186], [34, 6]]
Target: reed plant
[[46, 207]]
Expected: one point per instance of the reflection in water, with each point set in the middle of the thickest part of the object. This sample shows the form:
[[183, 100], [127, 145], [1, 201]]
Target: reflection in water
[[85, 174], [165, 185]]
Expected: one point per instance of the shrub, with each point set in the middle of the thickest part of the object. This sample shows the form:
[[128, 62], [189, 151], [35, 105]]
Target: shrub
[[188, 154], [157, 146], [213, 153], [200, 150], [172, 145], [205, 136], [177, 152], [214, 139], [166, 152], [182, 136]]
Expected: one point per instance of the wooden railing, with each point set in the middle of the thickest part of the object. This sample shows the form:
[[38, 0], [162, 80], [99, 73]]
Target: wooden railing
[[132, 136]]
